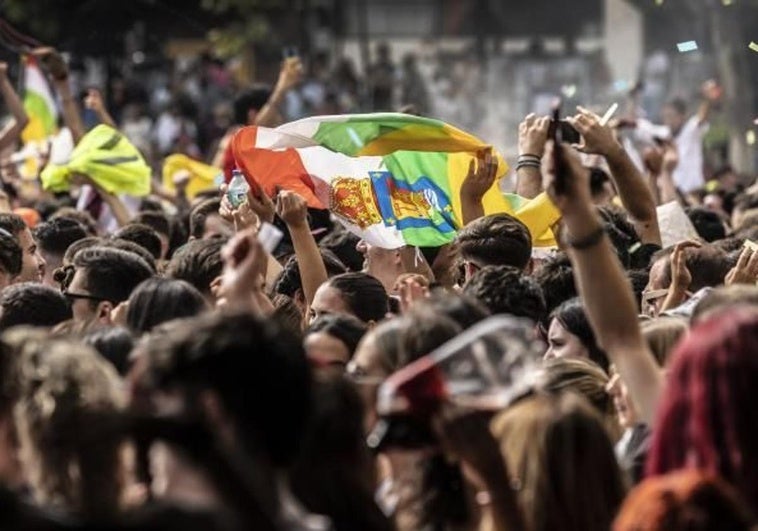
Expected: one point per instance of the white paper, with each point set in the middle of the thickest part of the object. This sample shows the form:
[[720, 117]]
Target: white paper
[[269, 236], [675, 225]]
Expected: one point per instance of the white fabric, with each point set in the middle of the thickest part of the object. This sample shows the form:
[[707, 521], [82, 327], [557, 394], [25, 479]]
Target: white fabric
[[688, 175]]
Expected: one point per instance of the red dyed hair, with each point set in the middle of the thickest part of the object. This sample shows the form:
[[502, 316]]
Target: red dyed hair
[[708, 417], [686, 500]]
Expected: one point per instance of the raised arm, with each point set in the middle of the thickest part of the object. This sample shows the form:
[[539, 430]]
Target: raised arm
[[607, 295], [59, 73], [289, 76], [635, 194], [94, 101], [711, 93], [11, 132], [480, 177], [532, 134], [294, 211]]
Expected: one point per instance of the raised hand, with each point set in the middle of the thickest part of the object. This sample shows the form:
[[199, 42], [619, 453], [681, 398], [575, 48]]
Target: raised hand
[[53, 61], [94, 100], [290, 74], [746, 270], [481, 176], [596, 138], [292, 209], [532, 135]]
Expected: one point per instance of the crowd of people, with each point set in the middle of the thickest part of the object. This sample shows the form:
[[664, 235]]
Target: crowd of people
[[160, 368]]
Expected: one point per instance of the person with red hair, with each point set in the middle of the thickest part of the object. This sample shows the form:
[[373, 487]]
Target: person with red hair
[[686, 500], [707, 419]]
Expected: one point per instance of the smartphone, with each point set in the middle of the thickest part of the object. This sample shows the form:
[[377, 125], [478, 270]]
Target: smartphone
[[568, 133], [290, 51], [555, 133]]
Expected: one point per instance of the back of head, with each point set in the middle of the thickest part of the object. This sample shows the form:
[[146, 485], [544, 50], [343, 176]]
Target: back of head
[[464, 310], [363, 294], [113, 343], [199, 214], [12, 223], [707, 264], [684, 501], [143, 236], [84, 243], [32, 304], [84, 218], [57, 235], [556, 278], [708, 224], [706, 417], [506, 290], [405, 339], [199, 263], [158, 300], [344, 245], [662, 334], [158, 221], [252, 99], [580, 493], [11, 255], [573, 318], [257, 369], [620, 231], [724, 298], [584, 378], [289, 282], [112, 273], [66, 465], [497, 239], [333, 473], [132, 248]]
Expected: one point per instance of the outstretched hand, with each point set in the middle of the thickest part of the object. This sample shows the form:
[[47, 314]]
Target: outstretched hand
[[53, 61], [290, 74], [597, 139], [292, 209], [746, 270], [481, 175], [532, 135], [245, 264], [94, 100]]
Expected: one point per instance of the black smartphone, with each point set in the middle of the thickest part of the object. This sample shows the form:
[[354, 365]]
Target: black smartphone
[[290, 51], [555, 133], [568, 133]]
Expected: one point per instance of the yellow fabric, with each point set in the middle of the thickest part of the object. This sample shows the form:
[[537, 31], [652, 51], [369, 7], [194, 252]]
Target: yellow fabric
[[109, 159], [202, 176]]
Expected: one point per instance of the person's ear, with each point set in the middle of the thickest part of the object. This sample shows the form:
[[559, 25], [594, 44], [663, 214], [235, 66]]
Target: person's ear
[[470, 269], [529, 269], [104, 309]]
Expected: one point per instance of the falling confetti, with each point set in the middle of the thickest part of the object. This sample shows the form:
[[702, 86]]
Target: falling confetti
[[727, 2], [687, 46], [753, 46], [658, 2], [750, 137]]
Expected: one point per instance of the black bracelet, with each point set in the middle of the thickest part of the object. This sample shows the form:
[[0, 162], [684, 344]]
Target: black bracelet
[[523, 164], [530, 155], [588, 241]]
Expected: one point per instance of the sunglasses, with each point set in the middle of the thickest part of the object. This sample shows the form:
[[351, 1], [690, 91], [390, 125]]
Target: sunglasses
[[71, 297]]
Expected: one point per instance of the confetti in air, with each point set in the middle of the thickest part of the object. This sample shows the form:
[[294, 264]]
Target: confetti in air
[[753, 46], [687, 46]]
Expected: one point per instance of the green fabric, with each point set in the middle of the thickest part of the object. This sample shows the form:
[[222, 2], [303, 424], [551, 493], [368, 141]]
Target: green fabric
[[35, 105], [109, 159]]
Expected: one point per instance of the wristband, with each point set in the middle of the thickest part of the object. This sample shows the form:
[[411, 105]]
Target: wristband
[[530, 155], [589, 241], [528, 164]]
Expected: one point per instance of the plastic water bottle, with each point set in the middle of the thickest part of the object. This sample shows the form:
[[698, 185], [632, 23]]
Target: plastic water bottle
[[238, 189]]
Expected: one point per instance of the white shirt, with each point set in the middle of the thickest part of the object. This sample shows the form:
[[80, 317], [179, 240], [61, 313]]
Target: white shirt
[[688, 175]]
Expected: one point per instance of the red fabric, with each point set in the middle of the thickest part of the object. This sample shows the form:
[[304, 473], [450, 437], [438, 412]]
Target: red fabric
[[271, 170]]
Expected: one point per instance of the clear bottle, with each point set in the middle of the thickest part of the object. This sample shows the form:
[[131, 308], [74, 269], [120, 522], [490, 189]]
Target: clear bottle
[[238, 189]]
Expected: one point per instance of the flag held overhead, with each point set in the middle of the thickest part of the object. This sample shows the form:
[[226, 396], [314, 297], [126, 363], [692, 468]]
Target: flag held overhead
[[393, 179]]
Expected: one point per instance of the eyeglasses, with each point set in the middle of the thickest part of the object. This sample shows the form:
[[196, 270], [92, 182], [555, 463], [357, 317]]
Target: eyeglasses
[[84, 296]]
